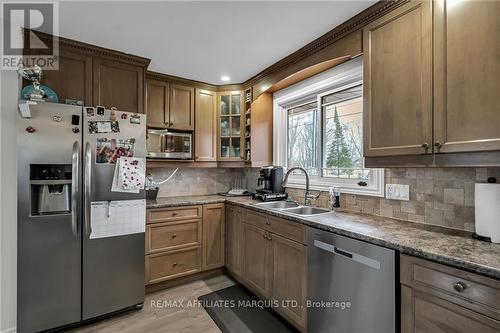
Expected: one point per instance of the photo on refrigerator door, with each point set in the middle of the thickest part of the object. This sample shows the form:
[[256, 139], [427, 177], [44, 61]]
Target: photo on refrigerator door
[[108, 151]]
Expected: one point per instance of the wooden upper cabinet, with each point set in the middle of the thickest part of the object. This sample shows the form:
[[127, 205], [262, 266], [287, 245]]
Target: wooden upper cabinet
[[73, 79], [230, 126], [118, 84], [261, 125], [467, 76], [157, 93], [206, 126], [398, 81], [181, 107], [213, 236]]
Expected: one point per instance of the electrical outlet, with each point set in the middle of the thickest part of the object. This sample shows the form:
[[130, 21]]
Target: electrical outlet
[[397, 192]]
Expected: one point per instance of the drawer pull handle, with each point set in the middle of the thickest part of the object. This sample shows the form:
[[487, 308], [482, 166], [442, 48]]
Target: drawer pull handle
[[267, 222], [460, 286], [174, 264], [174, 214], [174, 235]]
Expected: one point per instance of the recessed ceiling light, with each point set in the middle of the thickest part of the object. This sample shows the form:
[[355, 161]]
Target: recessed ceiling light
[[225, 78]]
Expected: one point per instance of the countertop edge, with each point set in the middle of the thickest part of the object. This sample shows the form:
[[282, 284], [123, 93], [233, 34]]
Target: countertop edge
[[417, 252]]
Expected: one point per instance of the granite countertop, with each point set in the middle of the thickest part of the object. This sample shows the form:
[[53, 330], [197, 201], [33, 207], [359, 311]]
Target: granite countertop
[[450, 247]]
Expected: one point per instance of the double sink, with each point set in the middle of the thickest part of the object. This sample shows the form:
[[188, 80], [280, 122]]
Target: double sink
[[293, 208]]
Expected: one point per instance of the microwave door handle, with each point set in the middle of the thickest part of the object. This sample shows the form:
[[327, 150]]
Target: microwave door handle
[[75, 187], [88, 183]]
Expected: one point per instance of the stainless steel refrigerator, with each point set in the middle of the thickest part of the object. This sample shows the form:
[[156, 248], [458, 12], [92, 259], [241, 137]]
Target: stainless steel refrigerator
[[64, 275]]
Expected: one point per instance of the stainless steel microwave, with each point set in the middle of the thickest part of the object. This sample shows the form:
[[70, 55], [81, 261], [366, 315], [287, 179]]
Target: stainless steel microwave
[[168, 144]]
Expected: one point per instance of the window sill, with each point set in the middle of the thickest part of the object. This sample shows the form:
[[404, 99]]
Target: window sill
[[374, 190]]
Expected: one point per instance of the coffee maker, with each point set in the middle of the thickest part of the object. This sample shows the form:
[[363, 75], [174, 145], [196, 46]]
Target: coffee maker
[[269, 184]]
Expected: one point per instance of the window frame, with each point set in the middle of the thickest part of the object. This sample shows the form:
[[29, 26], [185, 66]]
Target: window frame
[[339, 78]]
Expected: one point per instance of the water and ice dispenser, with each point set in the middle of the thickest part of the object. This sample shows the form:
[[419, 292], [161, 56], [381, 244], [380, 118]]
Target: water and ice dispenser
[[50, 188]]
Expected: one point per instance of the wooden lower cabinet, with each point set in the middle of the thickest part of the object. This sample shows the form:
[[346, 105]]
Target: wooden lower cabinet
[[181, 241], [437, 299], [257, 260], [233, 240], [288, 277], [213, 236], [428, 313], [169, 265], [273, 266]]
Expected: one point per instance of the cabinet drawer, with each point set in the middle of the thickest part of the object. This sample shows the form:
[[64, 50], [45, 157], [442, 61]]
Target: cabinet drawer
[[276, 225], [166, 266], [173, 214], [471, 290], [170, 236]]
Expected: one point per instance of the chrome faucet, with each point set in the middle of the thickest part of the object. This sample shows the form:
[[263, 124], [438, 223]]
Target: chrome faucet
[[307, 196]]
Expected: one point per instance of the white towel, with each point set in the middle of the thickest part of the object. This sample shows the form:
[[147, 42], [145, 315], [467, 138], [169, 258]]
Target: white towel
[[130, 175]]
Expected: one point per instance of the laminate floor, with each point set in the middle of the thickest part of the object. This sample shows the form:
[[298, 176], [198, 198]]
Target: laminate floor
[[159, 316]]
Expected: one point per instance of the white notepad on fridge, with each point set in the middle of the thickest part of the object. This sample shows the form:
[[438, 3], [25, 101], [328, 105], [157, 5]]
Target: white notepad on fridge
[[117, 218]]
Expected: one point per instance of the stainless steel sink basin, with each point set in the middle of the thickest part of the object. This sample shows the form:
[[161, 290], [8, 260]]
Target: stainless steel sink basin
[[306, 210], [278, 204]]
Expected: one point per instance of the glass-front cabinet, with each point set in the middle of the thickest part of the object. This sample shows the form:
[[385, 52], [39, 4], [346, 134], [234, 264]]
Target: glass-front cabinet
[[230, 118]]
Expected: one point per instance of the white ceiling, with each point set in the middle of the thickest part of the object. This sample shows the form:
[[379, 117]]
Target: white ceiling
[[204, 40]]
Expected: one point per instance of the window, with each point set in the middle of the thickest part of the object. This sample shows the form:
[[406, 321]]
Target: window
[[318, 126]]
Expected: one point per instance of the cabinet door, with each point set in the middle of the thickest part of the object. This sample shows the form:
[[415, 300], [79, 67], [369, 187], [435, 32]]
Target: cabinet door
[[397, 82], [425, 313], [157, 93], [213, 236], [206, 128], [261, 127], [467, 76], [289, 278], [233, 239], [230, 126], [118, 84], [257, 258], [73, 79], [181, 107]]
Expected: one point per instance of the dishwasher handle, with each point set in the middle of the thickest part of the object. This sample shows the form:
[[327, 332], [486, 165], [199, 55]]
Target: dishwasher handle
[[342, 252], [359, 258]]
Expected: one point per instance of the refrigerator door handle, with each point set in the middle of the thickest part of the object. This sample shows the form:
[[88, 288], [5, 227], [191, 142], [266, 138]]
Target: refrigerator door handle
[[88, 182], [75, 188]]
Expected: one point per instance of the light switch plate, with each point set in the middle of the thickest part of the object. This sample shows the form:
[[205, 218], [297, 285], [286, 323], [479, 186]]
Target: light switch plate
[[397, 192]]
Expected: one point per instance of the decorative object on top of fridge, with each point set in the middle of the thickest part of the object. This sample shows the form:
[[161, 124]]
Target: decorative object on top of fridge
[[33, 74]]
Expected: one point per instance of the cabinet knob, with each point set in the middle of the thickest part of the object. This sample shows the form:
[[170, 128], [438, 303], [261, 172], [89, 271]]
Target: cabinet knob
[[268, 222], [460, 286], [174, 235], [438, 144], [425, 145], [174, 264]]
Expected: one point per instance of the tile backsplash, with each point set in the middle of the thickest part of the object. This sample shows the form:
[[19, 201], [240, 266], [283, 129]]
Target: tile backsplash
[[438, 196], [196, 181]]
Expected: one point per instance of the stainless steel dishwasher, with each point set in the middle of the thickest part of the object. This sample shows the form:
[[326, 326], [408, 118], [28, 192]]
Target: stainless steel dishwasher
[[351, 285]]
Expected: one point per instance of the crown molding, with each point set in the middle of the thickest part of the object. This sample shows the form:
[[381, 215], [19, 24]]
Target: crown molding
[[91, 49], [353, 24], [180, 80]]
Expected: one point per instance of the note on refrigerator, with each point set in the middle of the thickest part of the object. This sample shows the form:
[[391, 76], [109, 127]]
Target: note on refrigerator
[[117, 218]]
